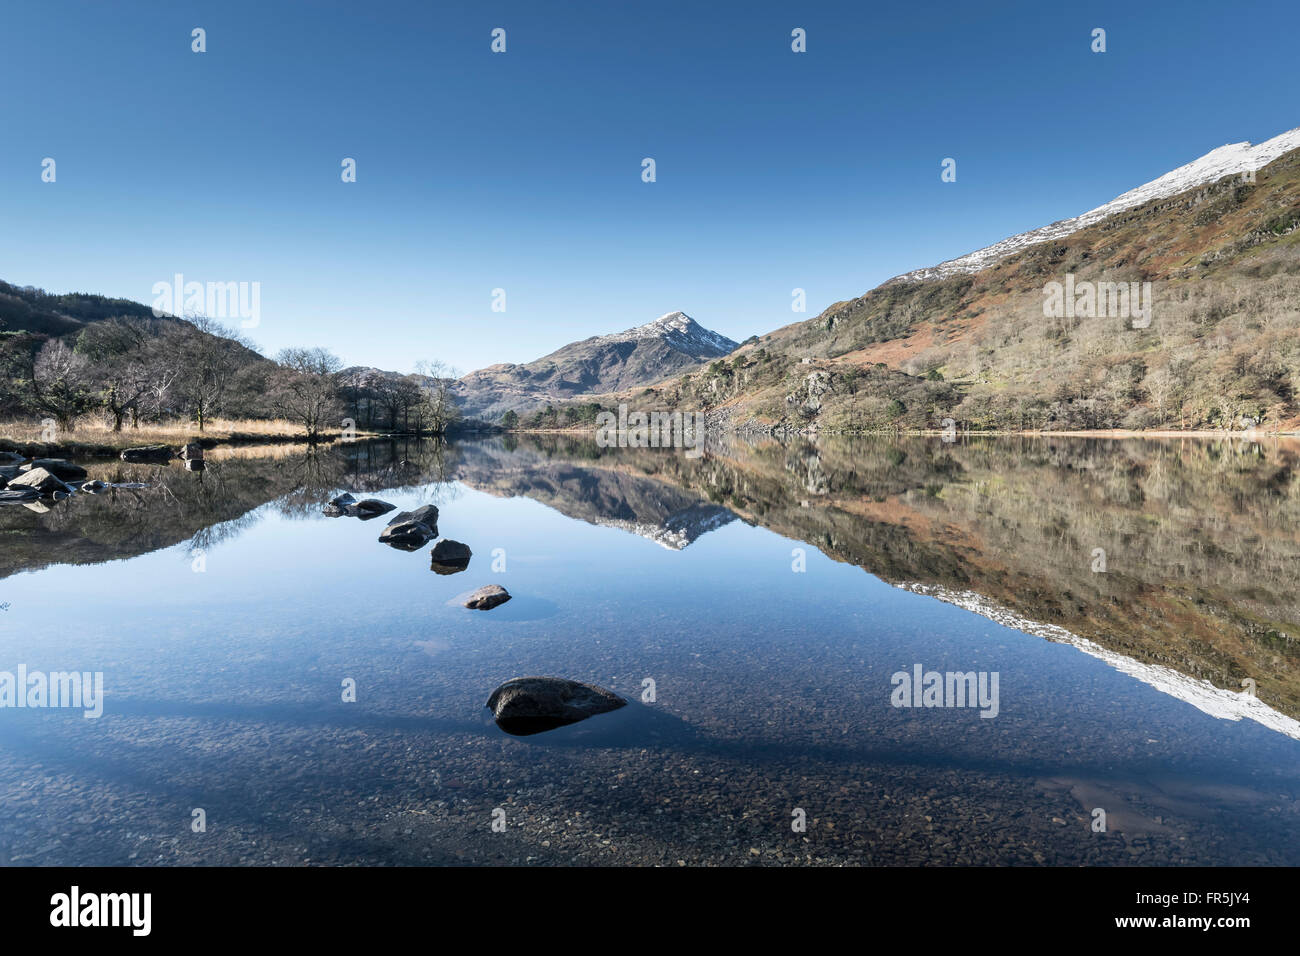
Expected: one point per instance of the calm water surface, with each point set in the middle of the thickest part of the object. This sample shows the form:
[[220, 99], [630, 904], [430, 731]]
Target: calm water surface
[[226, 613]]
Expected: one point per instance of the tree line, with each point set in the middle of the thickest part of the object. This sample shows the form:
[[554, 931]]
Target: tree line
[[132, 370]]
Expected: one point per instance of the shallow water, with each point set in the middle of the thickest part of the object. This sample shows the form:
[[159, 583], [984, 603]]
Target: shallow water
[[226, 615]]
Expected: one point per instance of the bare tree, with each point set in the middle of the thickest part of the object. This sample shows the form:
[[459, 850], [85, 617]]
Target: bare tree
[[210, 356], [306, 387], [58, 380], [437, 379]]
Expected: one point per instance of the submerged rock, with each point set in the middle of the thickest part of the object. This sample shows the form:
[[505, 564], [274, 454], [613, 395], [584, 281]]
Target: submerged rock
[[412, 530], [10, 458], [450, 557], [530, 705], [338, 505], [486, 597], [39, 480], [149, 453], [368, 508], [58, 467]]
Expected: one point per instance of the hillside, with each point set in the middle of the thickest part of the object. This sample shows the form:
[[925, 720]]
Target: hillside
[[1222, 349], [28, 309], [602, 363]]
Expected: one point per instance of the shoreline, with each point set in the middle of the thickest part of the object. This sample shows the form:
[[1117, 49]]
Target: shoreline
[[1115, 433]]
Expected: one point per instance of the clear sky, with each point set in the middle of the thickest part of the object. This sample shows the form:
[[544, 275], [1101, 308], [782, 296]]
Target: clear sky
[[522, 170]]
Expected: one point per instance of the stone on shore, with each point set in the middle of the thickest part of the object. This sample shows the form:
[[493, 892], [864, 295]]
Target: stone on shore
[[40, 481]]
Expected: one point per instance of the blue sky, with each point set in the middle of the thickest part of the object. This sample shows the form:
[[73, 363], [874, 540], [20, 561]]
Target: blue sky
[[522, 170]]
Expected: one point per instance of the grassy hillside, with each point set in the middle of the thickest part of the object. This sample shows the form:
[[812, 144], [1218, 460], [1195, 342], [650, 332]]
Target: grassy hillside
[[1222, 349]]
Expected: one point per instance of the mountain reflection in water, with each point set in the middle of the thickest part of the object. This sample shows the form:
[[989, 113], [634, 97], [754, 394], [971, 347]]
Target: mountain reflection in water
[[1173, 563]]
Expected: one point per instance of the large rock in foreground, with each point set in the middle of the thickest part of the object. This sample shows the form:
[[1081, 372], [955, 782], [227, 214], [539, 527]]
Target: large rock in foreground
[[149, 453], [450, 557], [530, 705], [411, 530], [40, 481], [486, 597]]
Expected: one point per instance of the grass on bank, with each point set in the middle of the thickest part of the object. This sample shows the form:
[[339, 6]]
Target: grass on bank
[[91, 435]]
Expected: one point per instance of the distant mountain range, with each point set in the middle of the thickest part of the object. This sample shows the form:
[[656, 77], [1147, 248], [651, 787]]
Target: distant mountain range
[[969, 341], [603, 363]]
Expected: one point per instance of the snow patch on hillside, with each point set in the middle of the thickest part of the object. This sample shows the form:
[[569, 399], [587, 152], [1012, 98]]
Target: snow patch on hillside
[[1229, 160]]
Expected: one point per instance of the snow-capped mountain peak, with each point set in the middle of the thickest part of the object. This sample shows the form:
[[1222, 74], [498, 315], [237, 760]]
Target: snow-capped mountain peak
[[1228, 160], [680, 331]]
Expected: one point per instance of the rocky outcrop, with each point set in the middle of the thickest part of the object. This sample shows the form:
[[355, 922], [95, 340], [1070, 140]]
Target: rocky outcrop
[[530, 705]]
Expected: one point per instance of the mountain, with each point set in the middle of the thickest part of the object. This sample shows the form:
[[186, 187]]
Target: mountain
[[1230, 160], [610, 492], [602, 363], [971, 340]]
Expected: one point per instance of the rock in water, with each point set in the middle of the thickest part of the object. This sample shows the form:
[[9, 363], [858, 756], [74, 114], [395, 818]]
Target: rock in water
[[148, 453], [450, 557], [368, 508], [486, 597], [338, 505], [530, 705], [192, 451], [39, 480], [95, 487], [57, 467], [411, 530]]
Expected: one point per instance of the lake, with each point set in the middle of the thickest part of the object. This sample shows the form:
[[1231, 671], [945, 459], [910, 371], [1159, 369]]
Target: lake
[[1127, 608]]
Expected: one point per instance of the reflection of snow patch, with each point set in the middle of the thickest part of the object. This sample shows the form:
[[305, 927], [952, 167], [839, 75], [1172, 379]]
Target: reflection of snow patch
[[670, 535], [1201, 694], [1227, 160]]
